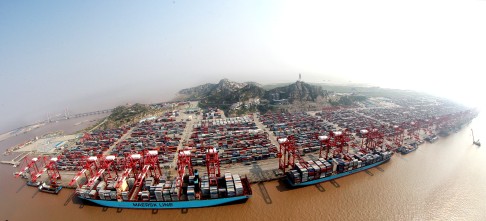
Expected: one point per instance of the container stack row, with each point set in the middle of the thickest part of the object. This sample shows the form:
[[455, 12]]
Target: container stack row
[[349, 119], [302, 126], [212, 113], [90, 144], [230, 185], [153, 135], [236, 139]]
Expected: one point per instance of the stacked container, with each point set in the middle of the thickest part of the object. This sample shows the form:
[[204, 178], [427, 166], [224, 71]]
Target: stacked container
[[149, 181], [174, 192], [158, 190], [205, 186], [238, 184], [213, 192], [230, 186], [124, 195], [166, 191], [237, 139], [144, 195], [96, 143], [191, 194], [321, 168], [294, 176]]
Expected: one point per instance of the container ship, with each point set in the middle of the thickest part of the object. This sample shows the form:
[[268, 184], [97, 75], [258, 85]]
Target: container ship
[[321, 170], [142, 185], [408, 149], [168, 194], [432, 138]]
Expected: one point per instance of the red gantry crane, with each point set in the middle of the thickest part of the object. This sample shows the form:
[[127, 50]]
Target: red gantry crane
[[151, 158], [427, 125], [212, 165], [54, 176], [327, 142], [183, 163], [398, 135], [373, 139], [32, 169], [364, 140], [134, 165], [414, 130], [287, 153], [120, 182], [104, 171], [341, 139], [148, 164], [89, 168]]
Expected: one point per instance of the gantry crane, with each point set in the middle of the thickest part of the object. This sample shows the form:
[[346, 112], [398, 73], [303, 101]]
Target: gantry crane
[[149, 162], [373, 138], [212, 165], [427, 125], [325, 141], [398, 135], [53, 174], [414, 130], [183, 162], [151, 157], [364, 140], [89, 169], [134, 164], [287, 153], [104, 170], [32, 169], [341, 139]]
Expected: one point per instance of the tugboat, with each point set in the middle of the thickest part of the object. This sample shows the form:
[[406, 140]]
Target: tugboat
[[408, 149], [52, 188], [475, 142]]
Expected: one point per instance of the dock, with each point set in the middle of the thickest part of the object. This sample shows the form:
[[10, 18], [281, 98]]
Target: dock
[[11, 162], [16, 161], [265, 176]]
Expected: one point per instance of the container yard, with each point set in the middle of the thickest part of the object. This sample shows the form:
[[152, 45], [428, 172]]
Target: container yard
[[160, 158], [238, 140], [157, 134]]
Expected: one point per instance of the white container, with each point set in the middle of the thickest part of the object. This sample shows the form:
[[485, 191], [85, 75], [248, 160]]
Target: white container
[[113, 195], [92, 194], [125, 196], [101, 186], [101, 194]]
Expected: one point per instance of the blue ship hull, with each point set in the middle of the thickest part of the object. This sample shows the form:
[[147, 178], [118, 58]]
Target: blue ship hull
[[168, 205], [332, 177]]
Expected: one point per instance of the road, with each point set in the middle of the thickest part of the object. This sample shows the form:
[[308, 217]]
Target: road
[[122, 138], [271, 136], [187, 131]]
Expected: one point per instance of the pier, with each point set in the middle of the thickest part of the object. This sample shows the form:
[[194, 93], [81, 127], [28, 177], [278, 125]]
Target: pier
[[16, 161]]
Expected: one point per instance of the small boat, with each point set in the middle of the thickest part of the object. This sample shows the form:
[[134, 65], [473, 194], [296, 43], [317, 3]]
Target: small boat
[[475, 142], [54, 189], [34, 184], [408, 149]]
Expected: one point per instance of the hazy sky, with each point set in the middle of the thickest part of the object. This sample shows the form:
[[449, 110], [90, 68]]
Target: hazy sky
[[88, 55]]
